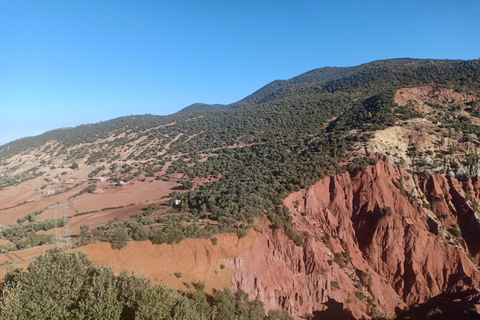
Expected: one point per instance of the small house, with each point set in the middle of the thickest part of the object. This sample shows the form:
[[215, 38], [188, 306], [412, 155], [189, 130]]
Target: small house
[[100, 179], [47, 192], [122, 184]]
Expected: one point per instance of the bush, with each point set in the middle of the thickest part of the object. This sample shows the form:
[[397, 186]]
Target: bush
[[360, 164], [242, 233], [386, 211], [119, 237], [199, 286], [187, 185], [360, 295], [335, 285], [340, 260]]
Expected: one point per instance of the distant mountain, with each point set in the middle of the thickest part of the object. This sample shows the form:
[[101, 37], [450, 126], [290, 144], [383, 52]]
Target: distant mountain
[[203, 106], [328, 78]]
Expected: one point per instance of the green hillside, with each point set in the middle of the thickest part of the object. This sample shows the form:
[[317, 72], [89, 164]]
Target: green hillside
[[277, 140]]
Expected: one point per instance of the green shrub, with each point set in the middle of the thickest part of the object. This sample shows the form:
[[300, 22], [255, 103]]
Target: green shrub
[[335, 284], [386, 211], [339, 259], [242, 233], [360, 295]]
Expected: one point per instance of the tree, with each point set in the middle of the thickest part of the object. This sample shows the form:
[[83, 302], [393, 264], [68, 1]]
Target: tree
[[35, 295], [151, 208], [119, 237], [84, 235], [187, 185]]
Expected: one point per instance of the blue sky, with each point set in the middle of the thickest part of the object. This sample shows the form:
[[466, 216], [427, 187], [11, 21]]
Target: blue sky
[[66, 63]]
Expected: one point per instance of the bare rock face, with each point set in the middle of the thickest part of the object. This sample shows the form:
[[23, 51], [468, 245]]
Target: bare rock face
[[371, 245], [431, 94]]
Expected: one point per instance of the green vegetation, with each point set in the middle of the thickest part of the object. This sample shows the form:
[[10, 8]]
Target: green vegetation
[[360, 295], [360, 164], [89, 189], [30, 217], [278, 140], [84, 213], [81, 290], [309, 99], [187, 185], [339, 259], [386, 211], [22, 236], [14, 180], [112, 208], [335, 284], [96, 171], [165, 229]]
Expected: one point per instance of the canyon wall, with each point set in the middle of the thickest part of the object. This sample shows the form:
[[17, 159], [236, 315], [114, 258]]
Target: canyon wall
[[375, 241]]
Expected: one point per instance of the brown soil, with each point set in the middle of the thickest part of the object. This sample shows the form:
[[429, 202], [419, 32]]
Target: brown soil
[[431, 94], [21, 259], [396, 258], [196, 259], [138, 193]]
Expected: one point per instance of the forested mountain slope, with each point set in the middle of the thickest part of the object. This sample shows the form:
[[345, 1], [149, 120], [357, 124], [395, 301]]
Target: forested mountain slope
[[202, 172]]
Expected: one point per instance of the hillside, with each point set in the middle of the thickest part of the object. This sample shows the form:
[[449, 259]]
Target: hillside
[[341, 180]]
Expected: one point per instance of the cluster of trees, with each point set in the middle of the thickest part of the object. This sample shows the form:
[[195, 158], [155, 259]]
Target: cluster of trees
[[96, 171], [61, 285], [307, 99], [360, 164], [89, 189], [285, 145], [165, 229], [14, 180], [257, 178], [21, 236]]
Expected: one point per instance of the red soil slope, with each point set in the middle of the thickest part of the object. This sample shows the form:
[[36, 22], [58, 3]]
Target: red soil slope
[[395, 258]]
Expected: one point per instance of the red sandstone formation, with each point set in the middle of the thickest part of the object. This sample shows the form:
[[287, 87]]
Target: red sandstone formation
[[393, 256]]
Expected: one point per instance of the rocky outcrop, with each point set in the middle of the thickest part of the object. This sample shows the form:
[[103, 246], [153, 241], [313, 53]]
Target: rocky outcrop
[[371, 245], [431, 94]]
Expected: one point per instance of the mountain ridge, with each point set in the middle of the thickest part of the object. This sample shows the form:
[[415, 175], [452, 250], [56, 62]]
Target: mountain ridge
[[394, 144], [306, 84]]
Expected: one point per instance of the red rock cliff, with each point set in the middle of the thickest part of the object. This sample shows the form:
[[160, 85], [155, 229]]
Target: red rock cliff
[[370, 246]]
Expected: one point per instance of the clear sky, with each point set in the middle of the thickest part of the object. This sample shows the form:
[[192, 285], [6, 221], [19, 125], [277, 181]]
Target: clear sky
[[66, 63]]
